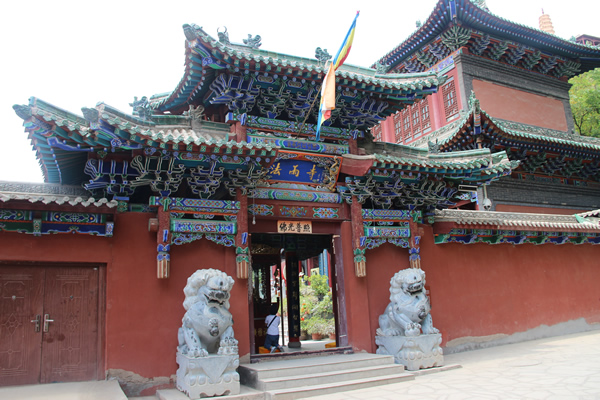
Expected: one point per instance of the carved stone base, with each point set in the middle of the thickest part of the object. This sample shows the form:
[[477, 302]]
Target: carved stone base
[[414, 352], [209, 376]]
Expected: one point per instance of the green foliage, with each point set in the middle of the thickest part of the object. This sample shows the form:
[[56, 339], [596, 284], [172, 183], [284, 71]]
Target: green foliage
[[319, 285], [316, 306], [585, 102]]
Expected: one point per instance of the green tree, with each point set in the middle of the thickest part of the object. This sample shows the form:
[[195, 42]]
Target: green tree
[[316, 306], [585, 102]]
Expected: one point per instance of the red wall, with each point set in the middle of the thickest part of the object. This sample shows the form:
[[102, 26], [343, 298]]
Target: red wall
[[382, 263], [481, 289], [519, 106], [143, 313], [476, 290], [136, 298]]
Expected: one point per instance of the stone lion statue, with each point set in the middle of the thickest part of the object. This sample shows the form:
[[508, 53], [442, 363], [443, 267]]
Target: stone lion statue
[[409, 310], [207, 324]]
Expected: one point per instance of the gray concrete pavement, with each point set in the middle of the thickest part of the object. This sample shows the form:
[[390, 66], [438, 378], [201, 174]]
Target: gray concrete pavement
[[100, 390], [557, 368], [564, 367]]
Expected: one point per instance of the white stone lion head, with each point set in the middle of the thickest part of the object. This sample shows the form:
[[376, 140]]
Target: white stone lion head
[[208, 286], [407, 281]]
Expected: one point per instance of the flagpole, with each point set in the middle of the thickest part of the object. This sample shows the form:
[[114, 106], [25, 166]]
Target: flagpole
[[313, 103]]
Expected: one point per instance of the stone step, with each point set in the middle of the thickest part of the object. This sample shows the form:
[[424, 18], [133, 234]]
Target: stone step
[[251, 373], [319, 390], [329, 377]]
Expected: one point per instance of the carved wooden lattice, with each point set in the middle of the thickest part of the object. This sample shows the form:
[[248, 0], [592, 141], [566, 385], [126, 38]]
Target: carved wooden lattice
[[412, 121], [399, 137], [376, 131], [416, 119], [450, 101], [406, 127], [425, 119]]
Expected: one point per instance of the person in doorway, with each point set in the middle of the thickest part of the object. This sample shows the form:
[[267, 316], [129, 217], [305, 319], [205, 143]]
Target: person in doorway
[[272, 321]]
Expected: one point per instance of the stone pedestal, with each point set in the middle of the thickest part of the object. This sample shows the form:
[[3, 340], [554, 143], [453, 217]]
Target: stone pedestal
[[414, 352], [213, 375]]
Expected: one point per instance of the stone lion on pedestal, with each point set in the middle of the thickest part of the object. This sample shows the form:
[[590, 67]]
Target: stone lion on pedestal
[[207, 326], [409, 310]]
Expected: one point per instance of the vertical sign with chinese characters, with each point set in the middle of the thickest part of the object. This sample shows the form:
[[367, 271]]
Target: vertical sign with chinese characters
[[293, 286], [294, 227]]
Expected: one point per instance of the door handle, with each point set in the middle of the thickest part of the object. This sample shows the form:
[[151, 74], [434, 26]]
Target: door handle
[[47, 320], [36, 321]]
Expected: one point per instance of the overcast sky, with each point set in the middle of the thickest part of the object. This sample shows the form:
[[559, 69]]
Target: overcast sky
[[74, 54]]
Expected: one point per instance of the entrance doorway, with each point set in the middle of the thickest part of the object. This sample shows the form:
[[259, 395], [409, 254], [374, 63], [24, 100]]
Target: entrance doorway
[[49, 324], [296, 273]]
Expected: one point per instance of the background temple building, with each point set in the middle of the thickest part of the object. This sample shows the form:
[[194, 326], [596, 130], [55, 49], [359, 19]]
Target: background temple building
[[455, 152]]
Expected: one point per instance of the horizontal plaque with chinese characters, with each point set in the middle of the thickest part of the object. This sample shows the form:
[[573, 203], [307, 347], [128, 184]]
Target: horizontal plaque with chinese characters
[[294, 227], [304, 168]]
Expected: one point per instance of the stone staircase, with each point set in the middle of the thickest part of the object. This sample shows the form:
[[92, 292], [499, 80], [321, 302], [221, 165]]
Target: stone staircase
[[306, 377]]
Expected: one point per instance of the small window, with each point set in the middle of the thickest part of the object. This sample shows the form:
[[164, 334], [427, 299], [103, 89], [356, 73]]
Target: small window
[[450, 103], [416, 119], [398, 128], [376, 132], [406, 123], [425, 120]]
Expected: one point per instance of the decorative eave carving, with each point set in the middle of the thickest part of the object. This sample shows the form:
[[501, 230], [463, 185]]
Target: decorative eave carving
[[182, 221], [467, 227], [490, 36]]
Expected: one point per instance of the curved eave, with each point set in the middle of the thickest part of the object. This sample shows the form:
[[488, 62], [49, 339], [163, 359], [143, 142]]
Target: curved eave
[[62, 139], [514, 221], [470, 15], [58, 199], [211, 135], [584, 143], [206, 56], [472, 165]]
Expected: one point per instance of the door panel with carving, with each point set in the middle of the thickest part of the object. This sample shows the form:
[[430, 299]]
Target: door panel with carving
[[70, 325], [21, 294], [48, 324]]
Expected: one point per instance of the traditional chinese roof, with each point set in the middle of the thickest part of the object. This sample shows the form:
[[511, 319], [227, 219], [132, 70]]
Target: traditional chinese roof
[[45, 209], [51, 194], [539, 150], [274, 85], [491, 227], [389, 156], [515, 221], [404, 176], [594, 213], [63, 140], [455, 24]]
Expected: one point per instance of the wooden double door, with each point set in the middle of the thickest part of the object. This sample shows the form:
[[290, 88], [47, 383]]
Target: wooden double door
[[49, 326]]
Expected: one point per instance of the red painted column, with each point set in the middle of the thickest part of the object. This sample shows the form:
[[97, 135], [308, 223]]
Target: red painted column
[[437, 117], [388, 130], [240, 131], [357, 233], [352, 146], [355, 297]]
